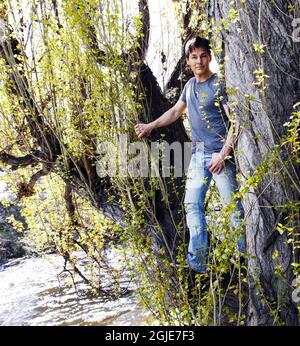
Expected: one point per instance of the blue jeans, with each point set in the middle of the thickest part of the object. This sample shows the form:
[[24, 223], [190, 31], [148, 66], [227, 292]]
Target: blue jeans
[[197, 184]]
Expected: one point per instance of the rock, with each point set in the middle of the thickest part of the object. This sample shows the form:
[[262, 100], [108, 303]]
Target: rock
[[10, 249]]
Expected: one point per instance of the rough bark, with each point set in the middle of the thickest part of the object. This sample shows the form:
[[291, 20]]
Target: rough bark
[[266, 23]]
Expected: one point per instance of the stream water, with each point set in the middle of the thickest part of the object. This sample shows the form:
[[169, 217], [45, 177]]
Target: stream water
[[33, 293]]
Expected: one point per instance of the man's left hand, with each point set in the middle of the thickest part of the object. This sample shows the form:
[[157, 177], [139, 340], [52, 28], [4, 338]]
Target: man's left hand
[[216, 163]]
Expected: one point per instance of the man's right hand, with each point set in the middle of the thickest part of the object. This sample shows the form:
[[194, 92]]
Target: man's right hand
[[169, 117], [143, 130]]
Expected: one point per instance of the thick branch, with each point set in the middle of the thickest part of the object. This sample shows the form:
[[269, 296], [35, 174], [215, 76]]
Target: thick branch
[[181, 75], [70, 205], [177, 80], [17, 162], [144, 40], [26, 190]]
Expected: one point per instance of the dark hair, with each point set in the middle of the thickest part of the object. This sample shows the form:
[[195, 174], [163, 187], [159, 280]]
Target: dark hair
[[197, 42]]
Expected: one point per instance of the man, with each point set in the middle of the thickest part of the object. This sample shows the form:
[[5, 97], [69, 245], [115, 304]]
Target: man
[[212, 143]]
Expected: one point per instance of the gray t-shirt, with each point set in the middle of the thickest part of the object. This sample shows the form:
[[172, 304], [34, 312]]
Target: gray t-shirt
[[207, 118]]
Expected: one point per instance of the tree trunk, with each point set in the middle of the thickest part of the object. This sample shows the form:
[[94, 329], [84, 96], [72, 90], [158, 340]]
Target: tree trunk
[[264, 22]]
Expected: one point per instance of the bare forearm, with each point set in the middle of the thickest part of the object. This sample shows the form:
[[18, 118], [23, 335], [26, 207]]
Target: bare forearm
[[230, 139], [166, 119], [229, 143]]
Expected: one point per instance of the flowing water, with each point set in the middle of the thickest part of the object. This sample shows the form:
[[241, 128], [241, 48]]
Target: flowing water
[[33, 293]]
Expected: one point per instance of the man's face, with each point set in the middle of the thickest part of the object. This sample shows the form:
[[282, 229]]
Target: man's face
[[198, 61]]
